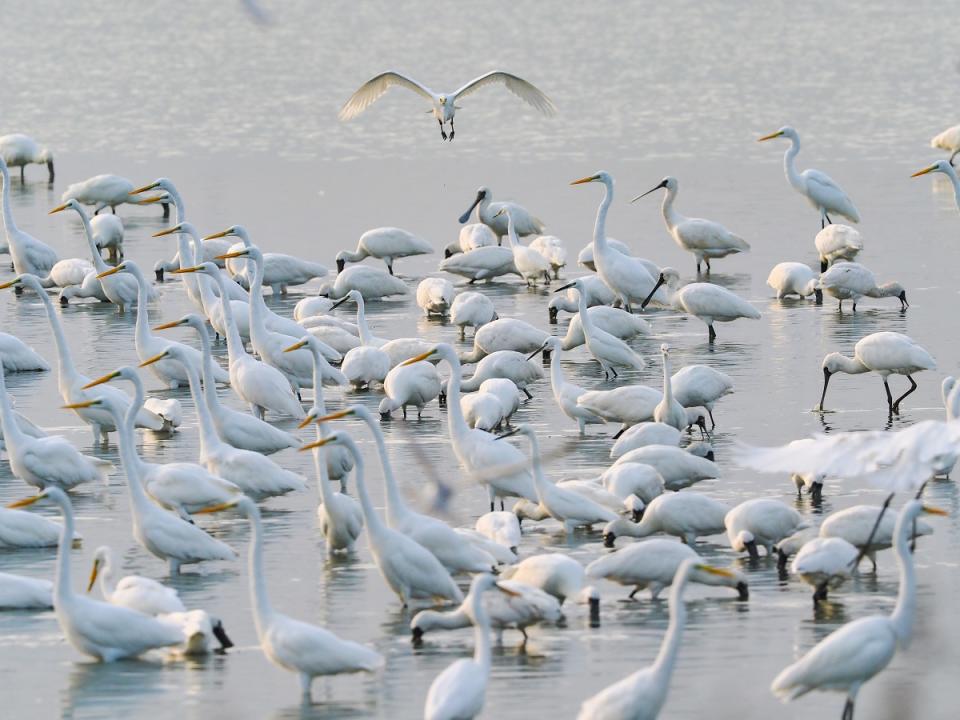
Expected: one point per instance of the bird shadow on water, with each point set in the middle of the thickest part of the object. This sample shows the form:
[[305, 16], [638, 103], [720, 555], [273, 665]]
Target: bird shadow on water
[[111, 688]]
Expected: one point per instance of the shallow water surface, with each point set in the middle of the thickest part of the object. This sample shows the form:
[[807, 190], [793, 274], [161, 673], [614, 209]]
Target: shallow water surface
[[243, 120]]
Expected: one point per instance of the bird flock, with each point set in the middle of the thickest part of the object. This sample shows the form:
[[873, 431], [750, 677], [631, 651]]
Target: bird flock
[[485, 576]]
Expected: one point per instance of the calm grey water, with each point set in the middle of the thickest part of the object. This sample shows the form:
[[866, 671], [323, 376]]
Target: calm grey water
[[242, 118]]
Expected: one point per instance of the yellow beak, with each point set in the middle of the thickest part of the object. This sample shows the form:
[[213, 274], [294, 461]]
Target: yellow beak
[[153, 199], [334, 416], [112, 271], [581, 181], [217, 508], [139, 190], [418, 358], [167, 326], [926, 170], [295, 346], [100, 380], [155, 358], [11, 283], [771, 136], [94, 571], [222, 233], [179, 271], [228, 256], [26, 501], [168, 231], [318, 443], [930, 510], [57, 209], [80, 405], [716, 571]]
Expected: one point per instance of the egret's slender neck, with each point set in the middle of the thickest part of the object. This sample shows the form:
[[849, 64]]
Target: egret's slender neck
[[366, 337], [244, 236], [209, 440], [67, 374], [667, 385], [586, 322], [542, 485], [375, 525], [142, 332], [790, 165], [8, 220], [12, 435], [108, 583], [600, 227], [179, 209], [454, 620], [258, 308], [129, 458], [397, 509], [905, 609], [481, 633], [262, 610], [949, 172], [320, 408], [455, 421], [667, 657], [62, 591], [98, 261], [209, 381], [512, 231], [235, 349], [353, 256], [556, 373], [670, 216]]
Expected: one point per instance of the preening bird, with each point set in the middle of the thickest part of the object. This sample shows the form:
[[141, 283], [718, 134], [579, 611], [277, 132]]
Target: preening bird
[[819, 189], [531, 264], [444, 105]]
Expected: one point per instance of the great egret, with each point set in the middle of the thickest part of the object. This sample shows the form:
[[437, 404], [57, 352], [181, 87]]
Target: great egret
[[482, 263], [489, 213], [653, 564], [763, 522], [824, 563], [299, 647], [106, 191], [837, 242], [444, 105], [387, 244], [852, 281], [552, 248], [405, 385], [471, 309], [641, 696], [459, 692], [708, 302], [19, 150], [46, 461], [504, 334], [411, 571], [628, 277], [859, 525], [136, 592], [852, 655], [498, 465], [520, 607], [885, 353], [679, 468], [17, 356], [70, 382], [264, 387], [595, 290], [942, 166], [101, 630], [28, 254], [18, 592], [531, 264], [948, 140], [435, 296], [704, 238], [794, 278], [256, 475], [279, 271], [565, 393], [161, 533], [819, 189], [669, 411], [688, 516]]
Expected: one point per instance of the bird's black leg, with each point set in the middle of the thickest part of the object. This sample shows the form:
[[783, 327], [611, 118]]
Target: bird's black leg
[[848, 710], [913, 386], [501, 504], [713, 333], [698, 267], [829, 221], [713, 423], [707, 261], [823, 223], [821, 593], [527, 393], [390, 267], [22, 178], [443, 133], [452, 131], [886, 387]]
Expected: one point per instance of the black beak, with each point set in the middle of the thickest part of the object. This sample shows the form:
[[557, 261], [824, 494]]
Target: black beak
[[466, 215], [507, 434], [663, 184], [221, 635], [826, 381], [536, 352], [417, 638], [565, 287], [818, 296], [340, 302], [340, 265], [446, 254], [743, 592], [554, 313], [608, 539], [159, 273], [660, 281]]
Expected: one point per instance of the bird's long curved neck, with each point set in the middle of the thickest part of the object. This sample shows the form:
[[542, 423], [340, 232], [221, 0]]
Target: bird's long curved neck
[[456, 423], [952, 174], [66, 371], [262, 610], [142, 329], [235, 349], [320, 408], [481, 634], [850, 365], [354, 256], [209, 381], [98, 261], [903, 612], [366, 337], [396, 507], [132, 464], [512, 231], [556, 373], [600, 227], [670, 215], [453, 620], [667, 656], [258, 307], [586, 322], [543, 486], [667, 385], [179, 209], [8, 221], [12, 434], [62, 591], [108, 582], [374, 524], [790, 165], [209, 439]]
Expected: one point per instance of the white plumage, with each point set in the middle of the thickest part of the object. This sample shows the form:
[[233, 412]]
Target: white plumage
[[852, 281], [387, 244], [837, 242], [435, 296], [793, 278]]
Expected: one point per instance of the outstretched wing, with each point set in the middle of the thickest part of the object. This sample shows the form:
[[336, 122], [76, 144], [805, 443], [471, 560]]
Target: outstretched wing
[[518, 86], [373, 88]]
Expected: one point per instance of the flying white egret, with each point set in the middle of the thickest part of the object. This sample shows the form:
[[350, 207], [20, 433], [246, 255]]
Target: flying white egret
[[279, 270], [708, 302], [409, 569], [794, 278], [293, 645], [106, 191], [852, 281], [653, 564], [101, 630], [531, 264], [489, 213], [628, 277], [763, 522], [19, 150], [136, 592], [852, 655], [387, 244], [435, 296], [837, 242], [17, 356], [685, 515], [824, 563], [704, 238], [471, 309], [161, 533], [459, 692], [948, 140], [819, 189], [28, 254], [641, 696], [885, 353], [444, 105]]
